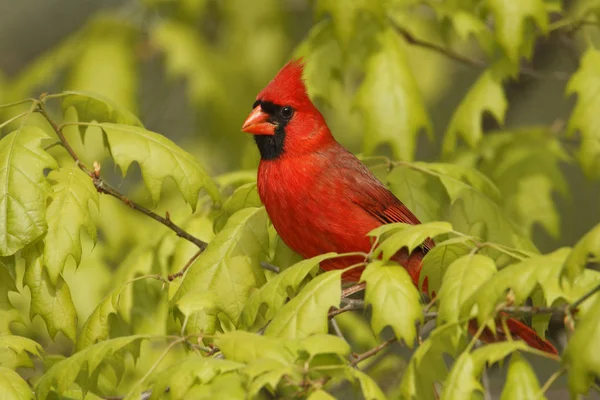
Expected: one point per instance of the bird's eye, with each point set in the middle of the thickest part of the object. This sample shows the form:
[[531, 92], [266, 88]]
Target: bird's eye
[[286, 112]]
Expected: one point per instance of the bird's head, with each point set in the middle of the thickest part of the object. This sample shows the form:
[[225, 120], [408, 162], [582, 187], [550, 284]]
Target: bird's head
[[283, 118]]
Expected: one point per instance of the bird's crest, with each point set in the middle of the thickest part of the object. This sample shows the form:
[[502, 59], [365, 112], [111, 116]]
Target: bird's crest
[[287, 88]]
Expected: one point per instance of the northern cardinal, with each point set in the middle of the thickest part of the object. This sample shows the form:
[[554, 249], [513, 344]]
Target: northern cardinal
[[320, 197]]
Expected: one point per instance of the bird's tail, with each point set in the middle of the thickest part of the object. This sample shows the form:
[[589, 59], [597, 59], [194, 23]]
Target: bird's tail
[[516, 329]]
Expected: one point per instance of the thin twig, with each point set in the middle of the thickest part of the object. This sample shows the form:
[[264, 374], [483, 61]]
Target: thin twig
[[16, 103], [586, 296], [411, 39], [270, 267], [16, 117], [336, 329], [354, 289], [370, 353], [336, 311], [557, 374], [185, 267], [63, 139], [103, 187]]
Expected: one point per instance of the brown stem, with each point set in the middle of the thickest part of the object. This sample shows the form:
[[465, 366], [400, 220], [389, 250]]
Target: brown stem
[[370, 353], [586, 296], [353, 289], [411, 39], [103, 187], [186, 266]]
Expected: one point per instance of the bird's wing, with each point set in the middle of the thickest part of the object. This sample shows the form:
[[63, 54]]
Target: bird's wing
[[374, 197]]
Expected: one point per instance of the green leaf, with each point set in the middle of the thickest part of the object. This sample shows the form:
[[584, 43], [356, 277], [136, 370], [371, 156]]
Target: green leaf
[[399, 235], [522, 278], [486, 94], [246, 347], [275, 292], [510, 22], [194, 370], [369, 388], [462, 279], [243, 197], [52, 302], [68, 213], [357, 330], [427, 365], [20, 346], [438, 259], [461, 382], [521, 382], [456, 177], [12, 386], [7, 284], [82, 367], [186, 54], [479, 216], [8, 313], [118, 302], [231, 385], [325, 344], [229, 267], [394, 300], [92, 106], [24, 190], [320, 395], [582, 354], [158, 158], [306, 313], [421, 192], [107, 69], [344, 16], [525, 164], [587, 247], [399, 116], [586, 83], [465, 374]]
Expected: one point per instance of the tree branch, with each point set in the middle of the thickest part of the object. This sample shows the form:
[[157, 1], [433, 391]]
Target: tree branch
[[583, 298], [370, 353], [472, 62], [103, 187], [186, 266]]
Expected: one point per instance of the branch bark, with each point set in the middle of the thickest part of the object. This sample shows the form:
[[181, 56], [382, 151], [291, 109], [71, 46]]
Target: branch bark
[[103, 187]]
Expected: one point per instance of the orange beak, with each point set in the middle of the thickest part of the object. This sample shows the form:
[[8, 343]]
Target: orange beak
[[258, 123]]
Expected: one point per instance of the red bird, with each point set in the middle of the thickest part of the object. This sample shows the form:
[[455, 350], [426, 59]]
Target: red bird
[[319, 196]]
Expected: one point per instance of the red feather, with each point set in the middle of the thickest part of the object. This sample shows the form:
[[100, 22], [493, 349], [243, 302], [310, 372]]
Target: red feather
[[321, 198]]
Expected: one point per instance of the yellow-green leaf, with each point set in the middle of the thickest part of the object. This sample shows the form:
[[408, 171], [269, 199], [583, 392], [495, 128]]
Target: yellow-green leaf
[[159, 158], [486, 94], [12, 386], [51, 301], [23, 188], [394, 300], [586, 83], [81, 367], [306, 313], [275, 292], [390, 100], [511, 18], [399, 235], [582, 354], [463, 277], [68, 214], [521, 382], [229, 267]]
